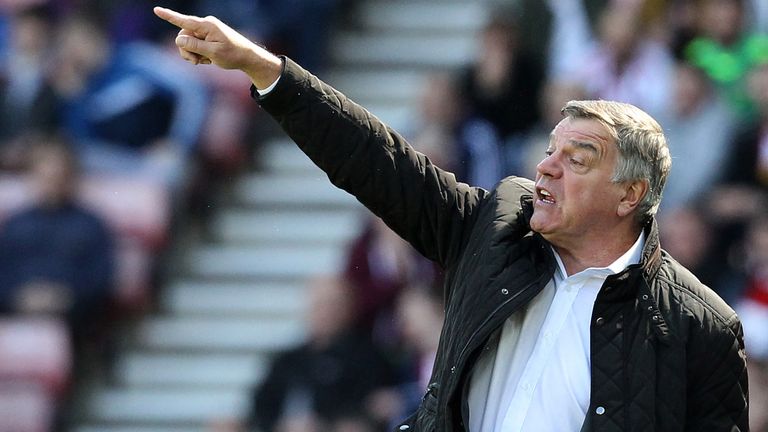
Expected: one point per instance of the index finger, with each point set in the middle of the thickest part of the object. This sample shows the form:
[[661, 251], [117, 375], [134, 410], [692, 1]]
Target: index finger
[[187, 22]]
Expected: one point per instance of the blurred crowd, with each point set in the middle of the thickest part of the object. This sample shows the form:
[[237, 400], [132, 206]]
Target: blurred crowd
[[108, 143], [107, 137]]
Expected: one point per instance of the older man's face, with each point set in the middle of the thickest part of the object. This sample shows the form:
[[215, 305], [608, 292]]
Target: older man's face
[[575, 198]]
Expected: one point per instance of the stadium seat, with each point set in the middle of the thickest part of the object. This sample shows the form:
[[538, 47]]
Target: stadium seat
[[35, 350]]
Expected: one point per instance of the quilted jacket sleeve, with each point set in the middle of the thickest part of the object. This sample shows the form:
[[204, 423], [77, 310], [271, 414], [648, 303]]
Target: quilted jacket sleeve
[[717, 399], [422, 203]]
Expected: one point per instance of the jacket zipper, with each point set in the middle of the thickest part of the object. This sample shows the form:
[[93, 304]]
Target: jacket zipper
[[464, 403]]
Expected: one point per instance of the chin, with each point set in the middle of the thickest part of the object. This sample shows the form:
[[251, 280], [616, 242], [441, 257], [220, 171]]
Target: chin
[[537, 223], [542, 227]]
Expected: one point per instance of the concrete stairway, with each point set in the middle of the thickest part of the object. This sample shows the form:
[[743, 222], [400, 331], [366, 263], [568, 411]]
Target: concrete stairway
[[238, 296]]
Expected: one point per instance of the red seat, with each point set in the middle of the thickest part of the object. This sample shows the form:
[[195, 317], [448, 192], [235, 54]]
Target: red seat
[[134, 208], [36, 349]]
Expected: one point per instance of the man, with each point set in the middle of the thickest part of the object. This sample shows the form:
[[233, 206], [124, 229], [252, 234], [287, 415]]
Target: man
[[328, 380], [56, 257], [562, 311]]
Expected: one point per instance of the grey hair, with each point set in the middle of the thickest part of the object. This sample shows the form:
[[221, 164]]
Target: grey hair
[[643, 151]]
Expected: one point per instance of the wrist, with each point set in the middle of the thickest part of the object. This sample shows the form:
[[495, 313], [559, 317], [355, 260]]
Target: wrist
[[265, 70]]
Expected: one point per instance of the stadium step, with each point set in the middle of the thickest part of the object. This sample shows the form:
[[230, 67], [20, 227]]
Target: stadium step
[[169, 406], [218, 370], [194, 297], [424, 16], [272, 191], [274, 261], [394, 86], [396, 49], [218, 334], [238, 226]]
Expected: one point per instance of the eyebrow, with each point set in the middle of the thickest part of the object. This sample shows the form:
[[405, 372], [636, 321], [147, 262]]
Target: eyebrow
[[586, 145]]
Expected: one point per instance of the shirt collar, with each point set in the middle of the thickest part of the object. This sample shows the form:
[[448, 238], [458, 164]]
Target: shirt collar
[[631, 256]]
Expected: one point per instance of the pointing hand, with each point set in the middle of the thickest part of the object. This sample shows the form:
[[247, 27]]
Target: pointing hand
[[208, 40]]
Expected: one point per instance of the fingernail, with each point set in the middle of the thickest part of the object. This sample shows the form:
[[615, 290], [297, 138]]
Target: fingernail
[[182, 41]]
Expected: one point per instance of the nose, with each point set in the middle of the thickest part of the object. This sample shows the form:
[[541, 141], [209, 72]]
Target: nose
[[549, 166]]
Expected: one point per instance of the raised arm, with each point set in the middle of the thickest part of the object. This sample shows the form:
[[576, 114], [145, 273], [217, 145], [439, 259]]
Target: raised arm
[[422, 203]]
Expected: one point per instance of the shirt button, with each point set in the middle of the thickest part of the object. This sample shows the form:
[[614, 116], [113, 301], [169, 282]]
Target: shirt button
[[599, 321], [504, 291], [600, 410]]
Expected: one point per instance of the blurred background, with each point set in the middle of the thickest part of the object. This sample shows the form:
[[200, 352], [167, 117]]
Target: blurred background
[[170, 262]]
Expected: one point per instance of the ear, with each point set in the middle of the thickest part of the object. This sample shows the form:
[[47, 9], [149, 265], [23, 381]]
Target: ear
[[634, 192]]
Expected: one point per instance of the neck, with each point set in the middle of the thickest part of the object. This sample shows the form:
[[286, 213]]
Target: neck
[[602, 252]]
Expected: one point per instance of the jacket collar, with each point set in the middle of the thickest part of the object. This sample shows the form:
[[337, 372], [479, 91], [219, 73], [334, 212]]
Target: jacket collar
[[635, 281]]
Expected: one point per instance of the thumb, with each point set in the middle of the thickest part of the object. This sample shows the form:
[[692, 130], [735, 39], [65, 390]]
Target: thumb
[[193, 45]]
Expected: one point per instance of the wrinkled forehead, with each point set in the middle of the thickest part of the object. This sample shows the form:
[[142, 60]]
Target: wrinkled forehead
[[580, 129]]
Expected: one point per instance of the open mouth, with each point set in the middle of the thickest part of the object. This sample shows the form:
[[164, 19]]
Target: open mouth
[[544, 196]]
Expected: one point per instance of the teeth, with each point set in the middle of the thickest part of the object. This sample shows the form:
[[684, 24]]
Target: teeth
[[545, 193]]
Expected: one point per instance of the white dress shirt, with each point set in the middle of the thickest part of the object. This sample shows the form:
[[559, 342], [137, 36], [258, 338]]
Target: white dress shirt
[[268, 90], [538, 377]]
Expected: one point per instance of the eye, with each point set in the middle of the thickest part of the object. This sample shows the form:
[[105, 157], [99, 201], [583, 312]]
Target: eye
[[577, 162], [549, 152]]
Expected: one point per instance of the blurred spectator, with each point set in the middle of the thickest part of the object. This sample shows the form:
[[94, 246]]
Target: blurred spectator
[[420, 313], [554, 96], [679, 23], [699, 132], [753, 308], [623, 64], [689, 237], [420, 318], [440, 111], [128, 20], [453, 138], [503, 86], [753, 311], [325, 383], [726, 50], [379, 265], [741, 195], [131, 109], [300, 27], [24, 101], [55, 257], [570, 35], [748, 163]]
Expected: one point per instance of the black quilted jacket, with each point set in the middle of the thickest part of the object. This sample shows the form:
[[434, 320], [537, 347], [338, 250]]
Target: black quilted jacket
[[667, 353]]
